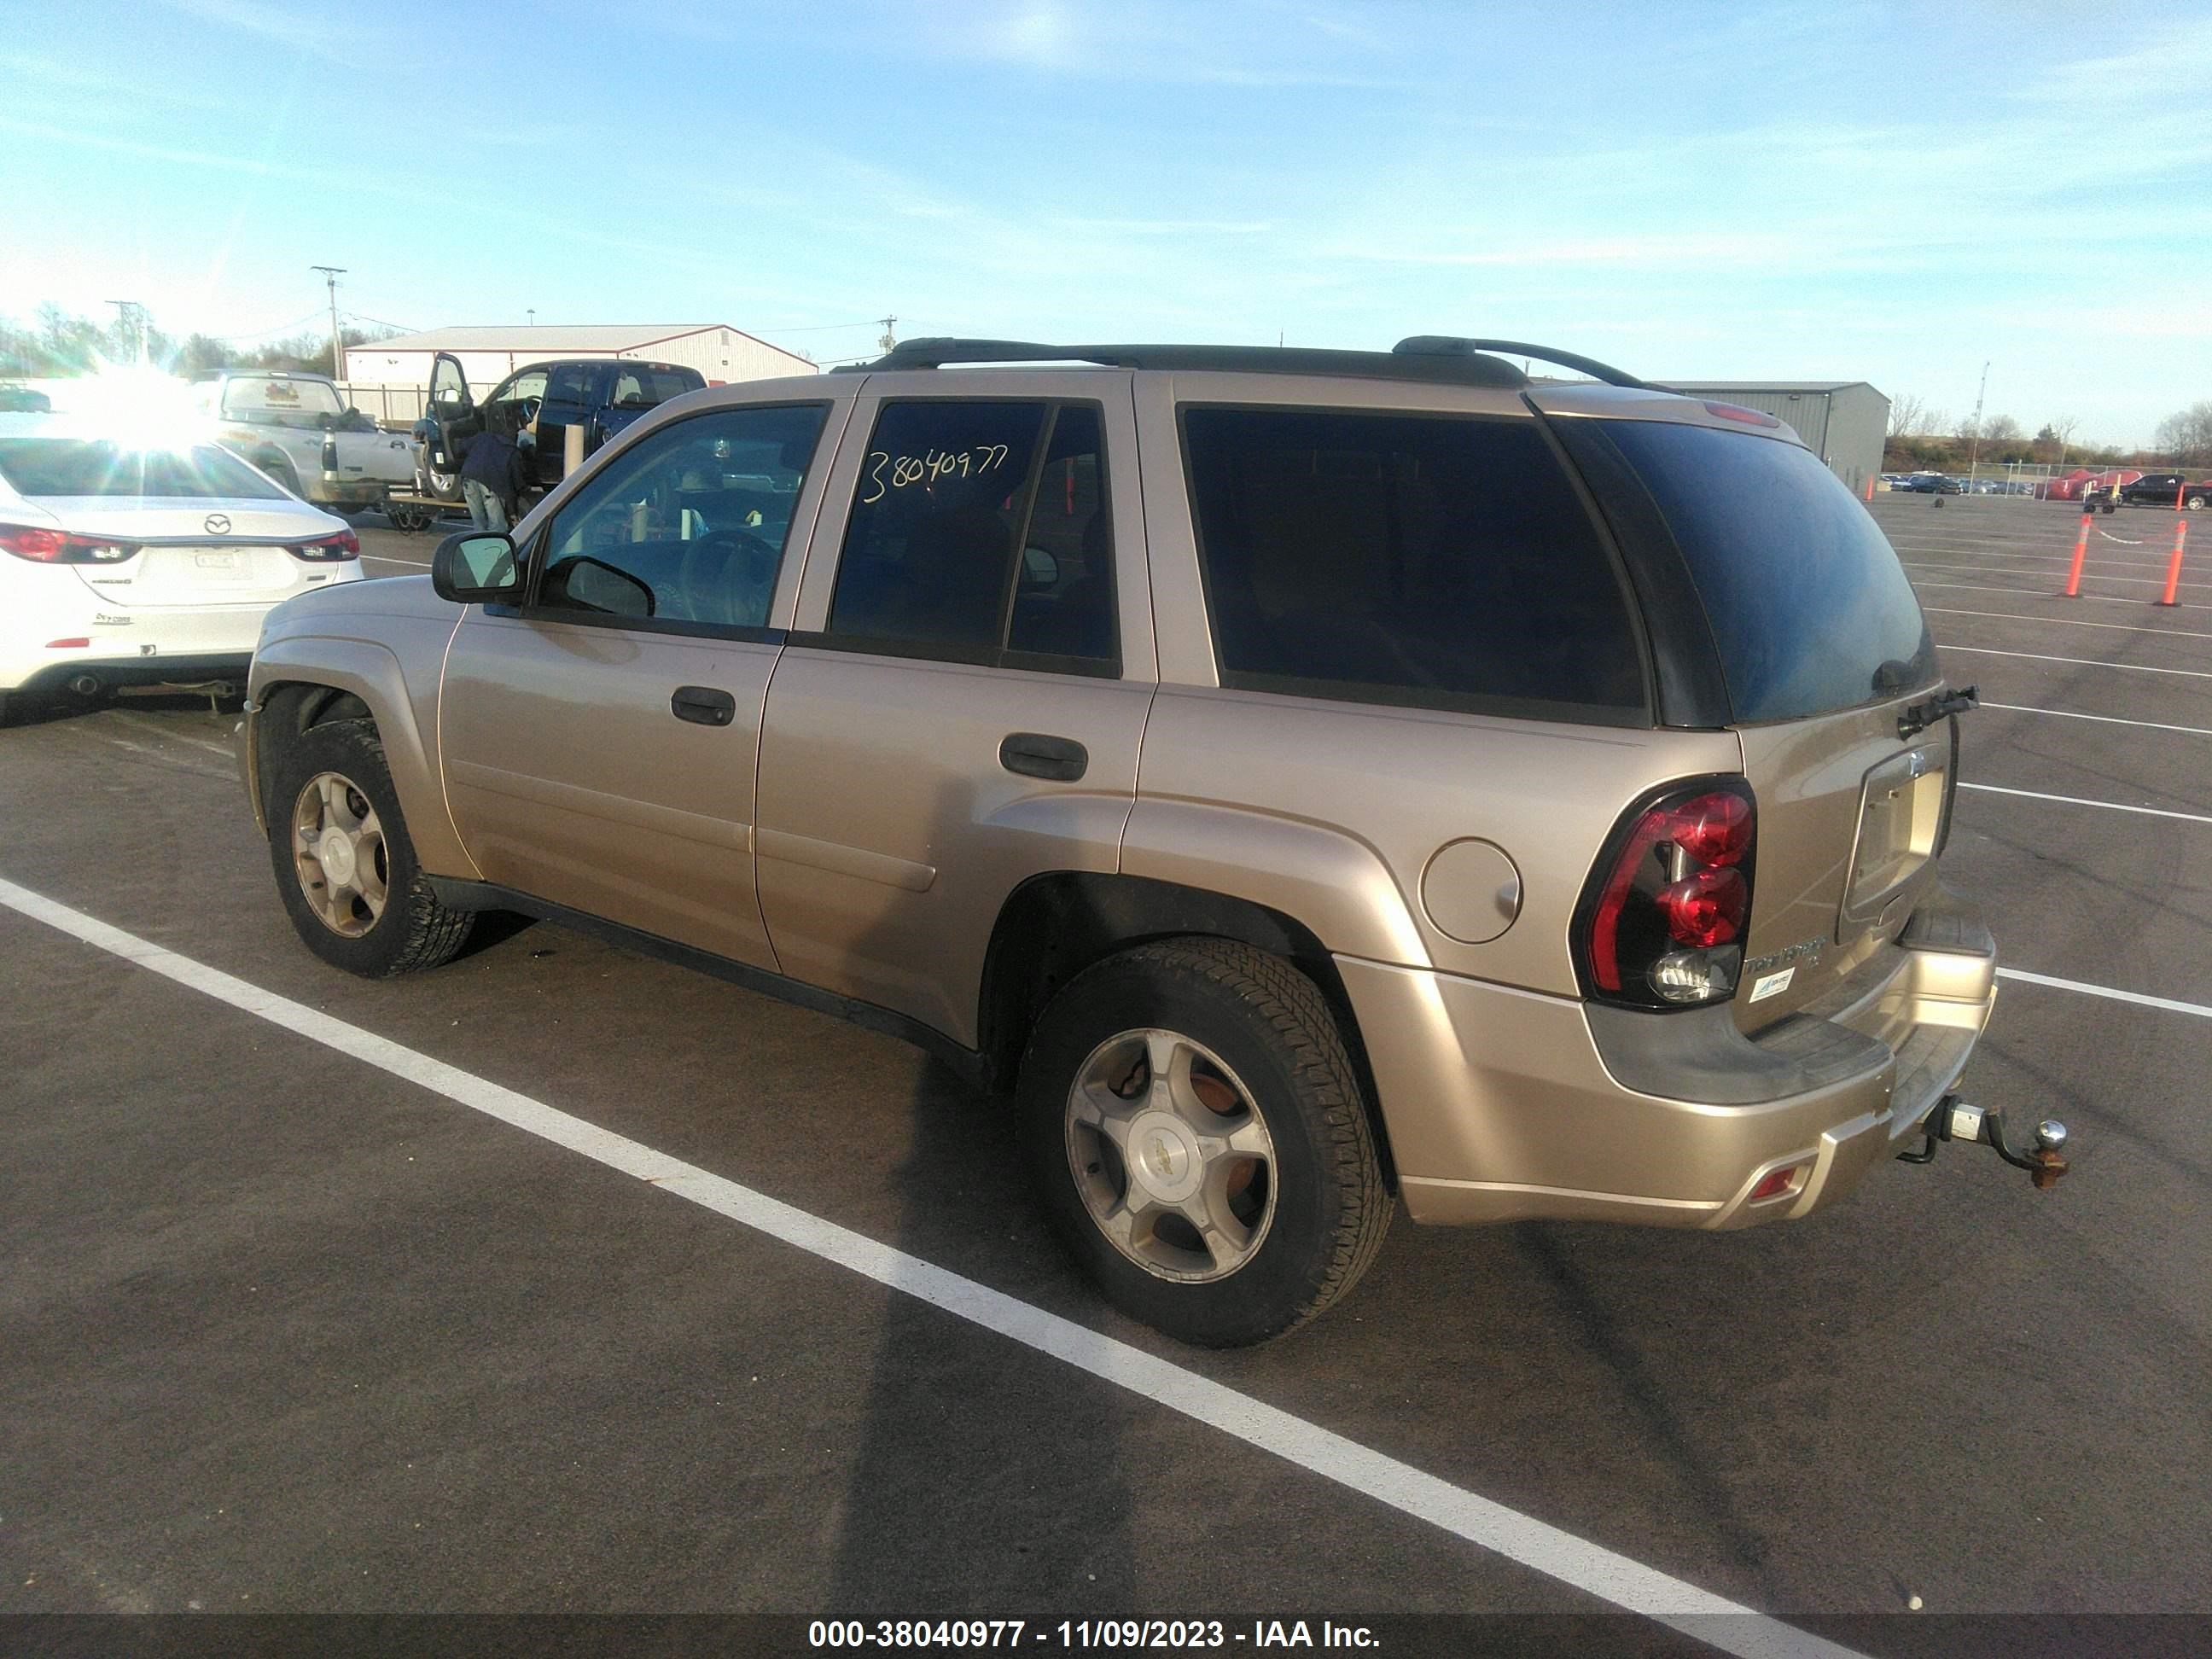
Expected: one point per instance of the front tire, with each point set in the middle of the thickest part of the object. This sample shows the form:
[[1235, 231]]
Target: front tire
[[2195, 503], [1201, 1143], [345, 866]]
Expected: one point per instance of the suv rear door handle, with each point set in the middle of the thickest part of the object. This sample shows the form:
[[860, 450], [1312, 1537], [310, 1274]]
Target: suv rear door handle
[[702, 705], [1034, 754]]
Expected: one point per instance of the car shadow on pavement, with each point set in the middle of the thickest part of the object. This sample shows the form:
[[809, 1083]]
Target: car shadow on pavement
[[988, 1483], [55, 708], [989, 1480]]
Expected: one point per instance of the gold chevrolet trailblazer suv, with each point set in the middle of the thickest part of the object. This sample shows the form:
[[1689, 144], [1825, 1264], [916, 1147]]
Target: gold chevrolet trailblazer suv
[[1301, 782]]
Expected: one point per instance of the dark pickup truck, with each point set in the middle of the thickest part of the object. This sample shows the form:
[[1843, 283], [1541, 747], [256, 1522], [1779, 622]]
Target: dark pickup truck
[[2164, 489], [601, 395]]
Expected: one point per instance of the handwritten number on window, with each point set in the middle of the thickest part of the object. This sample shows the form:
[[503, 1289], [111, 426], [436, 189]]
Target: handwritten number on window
[[907, 470]]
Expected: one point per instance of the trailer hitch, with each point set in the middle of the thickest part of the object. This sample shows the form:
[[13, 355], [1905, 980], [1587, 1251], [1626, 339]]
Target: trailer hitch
[[1955, 1120]]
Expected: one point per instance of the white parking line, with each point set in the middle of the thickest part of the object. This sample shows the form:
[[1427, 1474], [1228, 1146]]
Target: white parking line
[[2076, 800], [144, 723], [1588, 1567], [386, 558], [2067, 622], [196, 768], [2107, 991], [2105, 720], [2137, 599], [2097, 560], [2079, 662], [2087, 574]]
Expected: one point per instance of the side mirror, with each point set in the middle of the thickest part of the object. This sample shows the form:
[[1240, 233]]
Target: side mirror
[[476, 567]]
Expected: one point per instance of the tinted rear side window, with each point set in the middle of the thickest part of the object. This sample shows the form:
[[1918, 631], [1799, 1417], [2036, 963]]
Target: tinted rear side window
[[1434, 561], [1810, 610], [77, 466], [638, 386]]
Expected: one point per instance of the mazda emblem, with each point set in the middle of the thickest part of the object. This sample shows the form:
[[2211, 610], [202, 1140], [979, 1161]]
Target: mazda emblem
[[217, 524]]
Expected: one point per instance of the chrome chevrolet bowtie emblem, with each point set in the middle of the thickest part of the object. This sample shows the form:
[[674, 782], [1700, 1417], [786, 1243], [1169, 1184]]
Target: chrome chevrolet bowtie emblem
[[1167, 1156], [217, 524]]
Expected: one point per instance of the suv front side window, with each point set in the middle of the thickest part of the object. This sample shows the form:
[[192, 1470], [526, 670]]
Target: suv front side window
[[687, 527], [1432, 561], [979, 532]]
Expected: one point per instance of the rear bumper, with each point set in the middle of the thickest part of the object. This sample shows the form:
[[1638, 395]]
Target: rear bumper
[[1503, 1105], [138, 644], [128, 644]]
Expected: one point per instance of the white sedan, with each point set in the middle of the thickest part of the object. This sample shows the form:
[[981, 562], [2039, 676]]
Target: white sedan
[[121, 565]]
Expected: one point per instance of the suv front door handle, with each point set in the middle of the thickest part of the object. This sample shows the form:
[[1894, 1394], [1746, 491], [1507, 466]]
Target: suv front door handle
[[1034, 754], [702, 705]]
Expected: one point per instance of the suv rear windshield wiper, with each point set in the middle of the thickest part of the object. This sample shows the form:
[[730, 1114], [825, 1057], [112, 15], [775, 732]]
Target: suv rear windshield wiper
[[1920, 716]]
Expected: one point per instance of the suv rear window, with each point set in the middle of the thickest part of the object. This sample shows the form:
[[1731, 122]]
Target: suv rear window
[[638, 386], [1810, 610], [80, 466], [1440, 562]]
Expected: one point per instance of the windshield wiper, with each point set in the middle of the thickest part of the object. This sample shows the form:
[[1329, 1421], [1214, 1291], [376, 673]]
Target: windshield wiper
[[1921, 715]]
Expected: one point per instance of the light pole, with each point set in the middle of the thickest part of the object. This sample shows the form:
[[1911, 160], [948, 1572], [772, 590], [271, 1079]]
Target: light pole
[[129, 314], [532, 312], [1974, 445], [330, 274]]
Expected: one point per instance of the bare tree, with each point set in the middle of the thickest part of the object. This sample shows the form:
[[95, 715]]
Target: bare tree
[[2187, 435], [2063, 429], [1908, 416], [2001, 429]]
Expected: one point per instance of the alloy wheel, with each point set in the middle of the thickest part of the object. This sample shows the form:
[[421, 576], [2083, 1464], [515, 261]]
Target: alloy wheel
[[1172, 1156], [338, 848]]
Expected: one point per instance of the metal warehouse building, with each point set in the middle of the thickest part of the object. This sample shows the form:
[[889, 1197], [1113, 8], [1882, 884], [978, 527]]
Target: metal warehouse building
[[401, 365], [1844, 423]]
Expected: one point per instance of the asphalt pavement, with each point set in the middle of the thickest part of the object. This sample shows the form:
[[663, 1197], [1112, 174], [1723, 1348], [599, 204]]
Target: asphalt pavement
[[288, 1332]]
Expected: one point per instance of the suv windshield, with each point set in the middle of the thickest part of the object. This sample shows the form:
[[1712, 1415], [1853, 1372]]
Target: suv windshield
[[280, 402], [78, 467], [1810, 610]]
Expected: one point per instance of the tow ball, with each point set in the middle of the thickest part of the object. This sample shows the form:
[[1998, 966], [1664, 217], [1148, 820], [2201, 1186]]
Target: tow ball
[[1955, 1120]]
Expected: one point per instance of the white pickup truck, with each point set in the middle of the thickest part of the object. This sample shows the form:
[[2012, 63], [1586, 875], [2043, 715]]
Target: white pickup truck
[[297, 429]]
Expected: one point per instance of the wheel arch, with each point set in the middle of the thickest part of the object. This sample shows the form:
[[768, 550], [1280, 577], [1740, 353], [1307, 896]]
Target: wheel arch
[[295, 688], [1056, 925]]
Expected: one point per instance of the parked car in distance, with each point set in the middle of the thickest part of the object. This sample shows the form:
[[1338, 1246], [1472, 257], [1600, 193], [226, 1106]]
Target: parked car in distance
[[1296, 782], [24, 400], [543, 400], [122, 566], [2167, 489], [1931, 484], [297, 428]]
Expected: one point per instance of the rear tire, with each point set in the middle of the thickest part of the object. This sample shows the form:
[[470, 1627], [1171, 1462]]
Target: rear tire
[[345, 868], [2195, 503], [1254, 1126]]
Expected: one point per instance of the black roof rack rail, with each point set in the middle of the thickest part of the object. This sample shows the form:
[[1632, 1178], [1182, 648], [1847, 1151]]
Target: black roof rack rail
[[1455, 367], [1454, 345]]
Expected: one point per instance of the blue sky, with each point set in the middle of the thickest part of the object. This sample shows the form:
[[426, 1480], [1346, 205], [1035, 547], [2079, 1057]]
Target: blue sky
[[1759, 191]]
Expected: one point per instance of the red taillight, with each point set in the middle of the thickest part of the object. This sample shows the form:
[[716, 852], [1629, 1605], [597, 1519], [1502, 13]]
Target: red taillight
[[1714, 829], [44, 546], [343, 545], [1663, 922], [1706, 909]]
